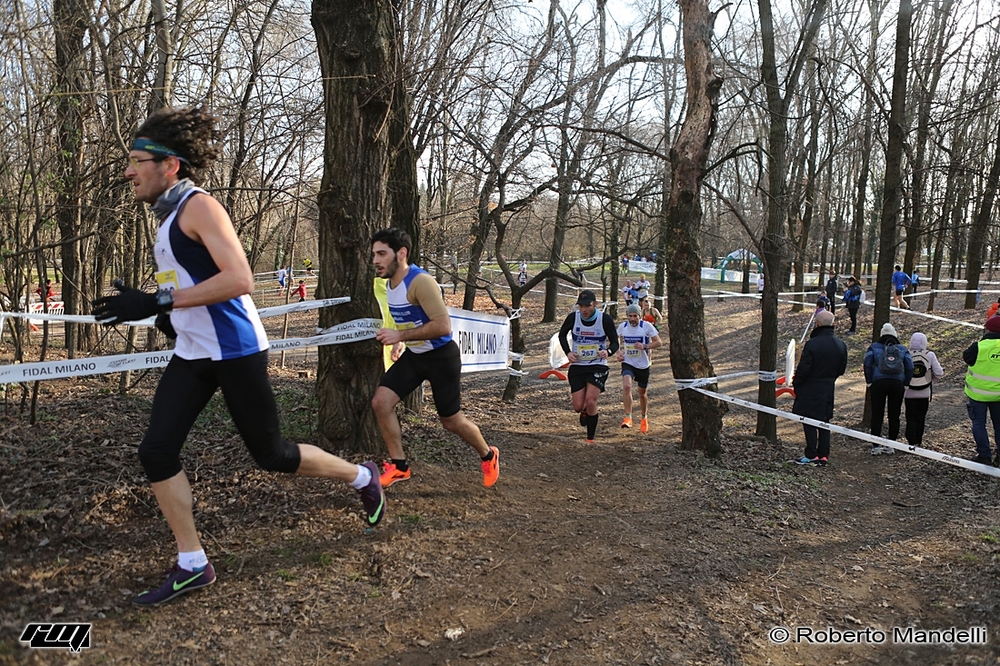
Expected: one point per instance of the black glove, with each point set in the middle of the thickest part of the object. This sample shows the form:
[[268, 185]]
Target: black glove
[[129, 305], [163, 323]]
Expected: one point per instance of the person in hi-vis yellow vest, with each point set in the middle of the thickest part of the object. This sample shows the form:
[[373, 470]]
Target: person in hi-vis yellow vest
[[381, 295]]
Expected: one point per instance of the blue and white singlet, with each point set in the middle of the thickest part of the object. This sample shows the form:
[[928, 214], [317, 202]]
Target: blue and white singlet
[[407, 315], [644, 333], [221, 331], [589, 339]]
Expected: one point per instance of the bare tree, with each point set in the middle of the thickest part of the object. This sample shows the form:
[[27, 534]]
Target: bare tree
[[774, 251], [892, 187], [701, 415]]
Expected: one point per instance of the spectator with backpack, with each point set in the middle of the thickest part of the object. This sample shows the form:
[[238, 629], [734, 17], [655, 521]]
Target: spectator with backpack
[[982, 387], [917, 397], [888, 369], [852, 299]]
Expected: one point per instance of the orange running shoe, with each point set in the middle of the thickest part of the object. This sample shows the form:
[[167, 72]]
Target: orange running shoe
[[627, 422], [643, 425], [391, 475], [590, 441], [491, 468]]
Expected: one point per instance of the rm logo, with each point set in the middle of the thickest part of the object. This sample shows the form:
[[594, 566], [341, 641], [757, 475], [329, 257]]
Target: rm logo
[[57, 635]]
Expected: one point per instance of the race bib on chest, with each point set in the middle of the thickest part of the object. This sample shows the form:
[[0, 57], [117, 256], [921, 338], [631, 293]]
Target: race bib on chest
[[587, 352], [168, 280], [631, 350], [405, 326]]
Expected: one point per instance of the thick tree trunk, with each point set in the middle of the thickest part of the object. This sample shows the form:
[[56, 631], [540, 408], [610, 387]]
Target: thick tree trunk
[[357, 51], [701, 414], [893, 184], [71, 23]]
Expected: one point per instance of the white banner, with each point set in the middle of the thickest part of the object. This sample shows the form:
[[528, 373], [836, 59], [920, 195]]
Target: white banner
[[483, 339], [647, 268]]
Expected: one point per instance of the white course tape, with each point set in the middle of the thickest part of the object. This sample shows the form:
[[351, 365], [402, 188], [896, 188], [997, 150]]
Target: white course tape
[[916, 450], [706, 381], [935, 317], [350, 331], [264, 313], [304, 306]]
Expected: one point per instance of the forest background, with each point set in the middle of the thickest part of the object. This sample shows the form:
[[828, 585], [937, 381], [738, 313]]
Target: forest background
[[844, 136]]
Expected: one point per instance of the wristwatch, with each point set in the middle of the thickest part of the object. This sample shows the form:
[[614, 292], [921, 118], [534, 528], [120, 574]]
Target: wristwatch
[[165, 300]]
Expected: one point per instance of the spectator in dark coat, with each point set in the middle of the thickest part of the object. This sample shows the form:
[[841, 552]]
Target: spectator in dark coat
[[824, 358], [852, 299], [831, 290]]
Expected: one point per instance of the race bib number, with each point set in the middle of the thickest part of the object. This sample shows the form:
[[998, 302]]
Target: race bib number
[[168, 280], [405, 327], [631, 350], [587, 352]]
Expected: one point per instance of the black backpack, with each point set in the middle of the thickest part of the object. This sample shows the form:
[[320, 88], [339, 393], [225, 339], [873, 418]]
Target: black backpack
[[891, 361], [921, 371]]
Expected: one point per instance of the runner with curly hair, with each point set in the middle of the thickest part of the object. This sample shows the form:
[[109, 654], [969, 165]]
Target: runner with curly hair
[[204, 301]]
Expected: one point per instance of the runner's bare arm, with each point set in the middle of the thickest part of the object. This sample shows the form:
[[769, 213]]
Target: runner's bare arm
[[203, 219]]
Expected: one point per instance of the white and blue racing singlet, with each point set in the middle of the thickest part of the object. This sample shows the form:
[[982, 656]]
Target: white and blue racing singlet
[[589, 339], [221, 331], [644, 333], [408, 315]]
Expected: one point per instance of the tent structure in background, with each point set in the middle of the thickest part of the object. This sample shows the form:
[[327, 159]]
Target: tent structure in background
[[736, 259]]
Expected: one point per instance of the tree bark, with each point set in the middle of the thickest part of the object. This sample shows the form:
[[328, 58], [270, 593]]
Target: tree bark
[[357, 50], [773, 243], [978, 232], [893, 184], [71, 22], [701, 415]]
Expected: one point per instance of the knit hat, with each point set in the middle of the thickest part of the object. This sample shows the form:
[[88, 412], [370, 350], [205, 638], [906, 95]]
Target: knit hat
[[824, 318], [918, 342], [993, 324], [888, 329], [633, 309]]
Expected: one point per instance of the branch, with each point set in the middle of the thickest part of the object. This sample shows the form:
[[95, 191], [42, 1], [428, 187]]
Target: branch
[[65, 241]]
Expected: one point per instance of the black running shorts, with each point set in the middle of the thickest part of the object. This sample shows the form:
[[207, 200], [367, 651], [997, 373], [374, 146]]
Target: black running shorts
[[641, 375], [442, 367], [581, 375]]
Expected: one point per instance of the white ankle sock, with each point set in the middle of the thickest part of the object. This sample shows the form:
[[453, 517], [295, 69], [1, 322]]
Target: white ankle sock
[[363, 479], [195, 561]]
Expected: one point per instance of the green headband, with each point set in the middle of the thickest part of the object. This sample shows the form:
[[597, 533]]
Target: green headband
[[142, 143]]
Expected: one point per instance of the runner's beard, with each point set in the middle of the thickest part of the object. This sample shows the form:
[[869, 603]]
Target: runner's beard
[[391, 269]]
